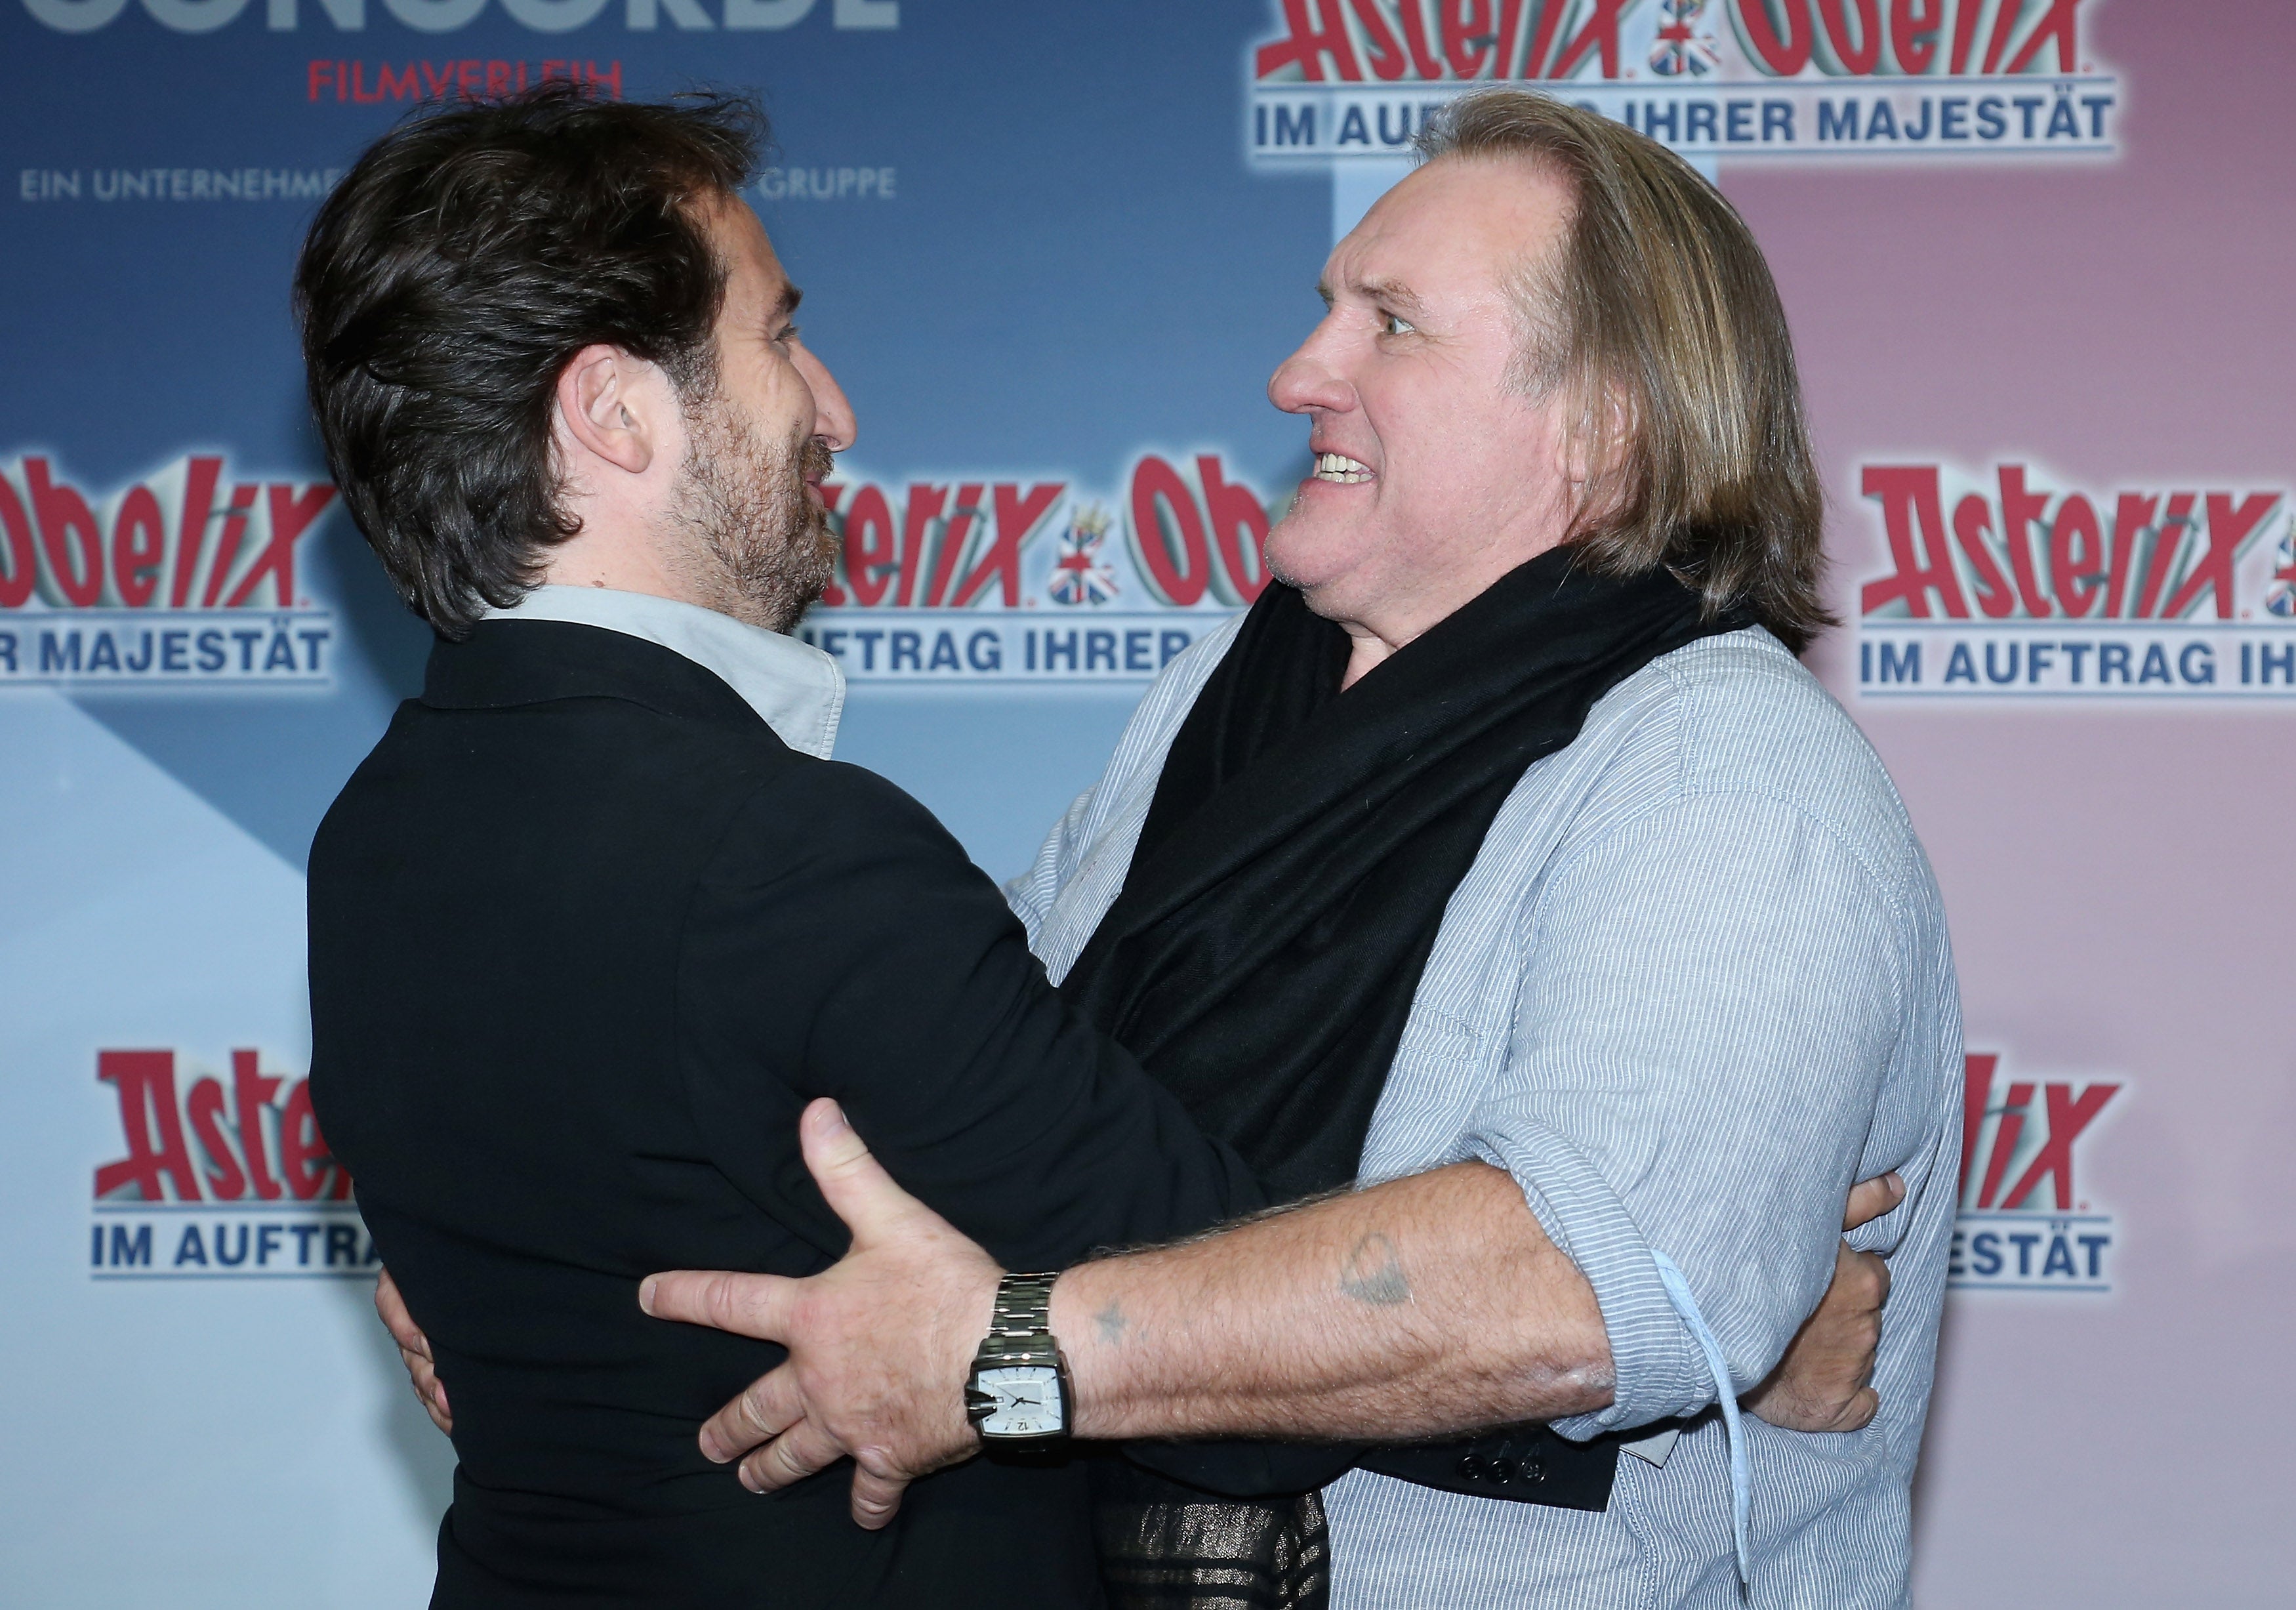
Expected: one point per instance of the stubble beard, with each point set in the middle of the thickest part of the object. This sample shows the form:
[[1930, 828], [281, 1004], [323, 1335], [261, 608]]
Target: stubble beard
[[764, 551]]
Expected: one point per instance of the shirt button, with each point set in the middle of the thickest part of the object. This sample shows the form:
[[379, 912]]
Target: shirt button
[[1503, 1471], [1471, 1468]]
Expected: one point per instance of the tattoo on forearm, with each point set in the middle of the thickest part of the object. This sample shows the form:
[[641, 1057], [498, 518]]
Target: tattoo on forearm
[[1112, 1323], [1374, 1273]]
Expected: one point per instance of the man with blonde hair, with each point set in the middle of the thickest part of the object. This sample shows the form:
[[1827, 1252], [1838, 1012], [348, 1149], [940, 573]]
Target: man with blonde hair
[[1504, 864]]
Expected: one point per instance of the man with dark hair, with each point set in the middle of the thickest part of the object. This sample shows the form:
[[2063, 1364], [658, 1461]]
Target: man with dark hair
[[1502, 861], [598, 916]]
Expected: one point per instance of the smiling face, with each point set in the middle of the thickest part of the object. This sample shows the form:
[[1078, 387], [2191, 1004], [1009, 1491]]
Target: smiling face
[[757, 444], [1435, 474]]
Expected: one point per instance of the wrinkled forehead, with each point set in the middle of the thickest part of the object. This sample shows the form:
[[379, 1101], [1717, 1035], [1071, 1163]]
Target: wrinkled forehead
[[1457, 226]]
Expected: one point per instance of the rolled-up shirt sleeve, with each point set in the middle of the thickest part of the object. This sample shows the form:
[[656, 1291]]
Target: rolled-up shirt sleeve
[[1710, 1001]]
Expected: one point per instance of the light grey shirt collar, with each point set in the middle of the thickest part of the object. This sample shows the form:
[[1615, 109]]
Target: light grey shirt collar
[[793, 686]]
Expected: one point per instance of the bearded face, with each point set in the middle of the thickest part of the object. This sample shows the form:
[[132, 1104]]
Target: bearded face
[[759, 536]]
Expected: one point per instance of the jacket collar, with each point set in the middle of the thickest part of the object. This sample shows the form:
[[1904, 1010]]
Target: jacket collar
[[503, 664], [793, 688]]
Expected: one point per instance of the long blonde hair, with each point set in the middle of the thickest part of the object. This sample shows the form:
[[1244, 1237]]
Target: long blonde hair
[[1657, 317]]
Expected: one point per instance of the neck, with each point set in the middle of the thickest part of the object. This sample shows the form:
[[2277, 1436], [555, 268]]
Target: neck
[[629, 556], [1385, 625], [1365, 649], [601, 566]]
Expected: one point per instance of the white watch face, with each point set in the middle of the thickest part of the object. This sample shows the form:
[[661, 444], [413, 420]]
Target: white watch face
[[1027, 1401]]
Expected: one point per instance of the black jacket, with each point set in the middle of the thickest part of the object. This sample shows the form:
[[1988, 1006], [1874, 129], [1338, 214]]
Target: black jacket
[[584, 938]]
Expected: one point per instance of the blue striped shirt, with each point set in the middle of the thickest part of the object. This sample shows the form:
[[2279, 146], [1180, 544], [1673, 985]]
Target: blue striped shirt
[[1696, 983]]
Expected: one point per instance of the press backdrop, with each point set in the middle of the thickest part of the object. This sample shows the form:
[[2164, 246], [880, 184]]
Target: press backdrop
[[2037, 257]]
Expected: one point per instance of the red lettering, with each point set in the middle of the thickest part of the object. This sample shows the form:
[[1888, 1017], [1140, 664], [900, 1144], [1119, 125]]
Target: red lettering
[[1178, 578], [1973, 520], [404, 86], [1964, 30], [2229, 529], [611, 78], [303, 1155], [234, 531], [498, 79], [2057, 25], [2004, 1141], [1386, 59], [870, 546], [2069, 1115], [1913, 33], [952, 540], [2076, 555], [1908, 493], [466, 80], [358, 86], [139, 546], [146, 1083], [2004, 20], [926, 504], [1310, 45], [1511, 15], [1781, 57], [291, 514], [24, 568], [191, 532], [69, 539], [226, 1182], [1601, 33], [1976, 1091], [2166, 541], [318, 70], [1858, 60], [1466, 35], [1239, 528], [1550, 20], [2131, 516], [253, 1093], [2019, 509], [435, 82], [1016, 518], [1415, 37]]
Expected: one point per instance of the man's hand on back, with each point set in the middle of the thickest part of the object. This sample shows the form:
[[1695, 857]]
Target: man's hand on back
[[1823, 1383], [414, 1350], [880, 1342]]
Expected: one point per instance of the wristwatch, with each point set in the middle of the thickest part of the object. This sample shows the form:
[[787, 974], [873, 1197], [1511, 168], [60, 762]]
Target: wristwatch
[[1019, 1391]]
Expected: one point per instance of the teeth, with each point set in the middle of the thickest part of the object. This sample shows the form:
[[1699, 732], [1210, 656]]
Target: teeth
[[1339, 467]]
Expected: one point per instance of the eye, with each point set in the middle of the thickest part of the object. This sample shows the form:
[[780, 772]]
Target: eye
[[1390, 325], [787, 334]]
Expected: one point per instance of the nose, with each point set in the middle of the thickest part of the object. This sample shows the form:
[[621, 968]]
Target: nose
[[833, 415], [1307, 381]]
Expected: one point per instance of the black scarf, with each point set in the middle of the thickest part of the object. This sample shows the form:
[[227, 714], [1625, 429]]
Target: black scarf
[[1286, 894]]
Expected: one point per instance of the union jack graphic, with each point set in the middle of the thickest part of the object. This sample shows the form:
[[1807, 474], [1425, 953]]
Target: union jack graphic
[[1678, 50], [2280, 597], [1078, 576]]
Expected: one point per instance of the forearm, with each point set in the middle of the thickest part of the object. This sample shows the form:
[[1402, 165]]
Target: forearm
[[1422, 1307]]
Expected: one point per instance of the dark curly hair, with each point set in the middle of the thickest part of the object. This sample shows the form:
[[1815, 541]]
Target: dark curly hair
[[466, 258]]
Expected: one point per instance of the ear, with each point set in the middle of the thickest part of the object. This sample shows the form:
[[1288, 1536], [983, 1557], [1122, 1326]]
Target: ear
[[1594, 451], [606, 410], [1602, 422]]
